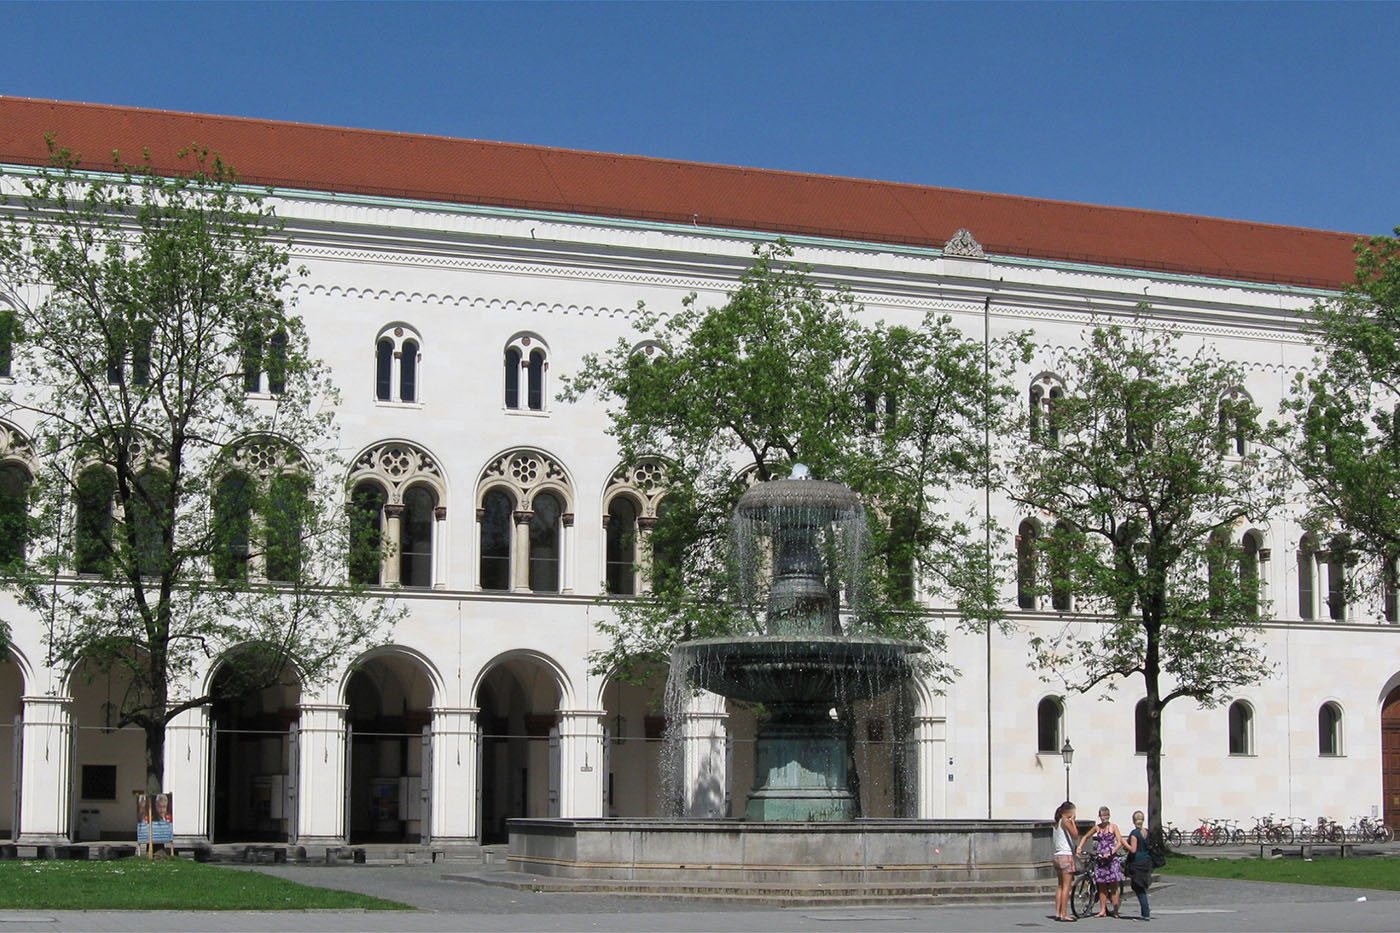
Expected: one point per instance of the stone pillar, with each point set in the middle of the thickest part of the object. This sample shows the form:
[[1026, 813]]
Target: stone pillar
[[567, 537], [393, 538], [642, 556], [321, 778], [931, 766], [187, 774], [520, 556], [440, 563], [456, 758], [704, 762], [581, 764], [45, 766]]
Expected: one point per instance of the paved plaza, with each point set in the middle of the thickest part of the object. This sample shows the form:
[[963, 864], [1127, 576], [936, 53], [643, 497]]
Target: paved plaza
[[1184, 904]]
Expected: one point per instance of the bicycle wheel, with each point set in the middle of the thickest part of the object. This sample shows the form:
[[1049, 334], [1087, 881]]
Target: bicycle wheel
[[1384, 833], [1174, 837], [1083, 898], [1198, 836], [1285, 834], [1237, 837], [1335, 834]]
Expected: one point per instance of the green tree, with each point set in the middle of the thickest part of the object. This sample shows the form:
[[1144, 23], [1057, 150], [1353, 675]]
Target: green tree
[[1151, 467], [1345, 445], [186, 502], [786, 372]]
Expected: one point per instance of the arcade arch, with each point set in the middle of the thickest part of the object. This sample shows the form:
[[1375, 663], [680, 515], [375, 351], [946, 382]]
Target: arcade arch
[[519, 697], [389, 698], [109, 762], [12, 681], [252, 766]]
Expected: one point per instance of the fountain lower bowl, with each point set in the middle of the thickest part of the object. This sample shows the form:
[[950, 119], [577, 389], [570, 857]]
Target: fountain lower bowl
[[799, 669]]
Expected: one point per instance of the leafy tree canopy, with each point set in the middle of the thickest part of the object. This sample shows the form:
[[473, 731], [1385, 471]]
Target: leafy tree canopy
[[785, 372], [1346, 412], [1149, 469], [185, 499]]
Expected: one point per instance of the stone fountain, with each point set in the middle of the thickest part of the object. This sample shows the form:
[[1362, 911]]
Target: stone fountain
[[798, 545]]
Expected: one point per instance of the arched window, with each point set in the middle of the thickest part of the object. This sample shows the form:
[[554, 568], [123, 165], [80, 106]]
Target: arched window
[[252, 363], [367, 502], [1390, 583], [401, 344], [621, 544], [277, 363], [1235, 407], [1141, 725], [527, 359], [408, 372], [147, 516], [1044, 423], [1241, 728], [92, 533], [1251, 581], [535, 395], [1337, 580], [496, 518], [1060, 565], [1329, 729], [1049, 718], [544, 543], [416, 537], [9, 330], [384, 369], [233, 514], [1307, 577], [1025, 564], [1217, 572], [14, 512], [512, 378]]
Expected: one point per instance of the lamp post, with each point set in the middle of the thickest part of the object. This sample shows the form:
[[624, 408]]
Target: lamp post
[[1067, 753]]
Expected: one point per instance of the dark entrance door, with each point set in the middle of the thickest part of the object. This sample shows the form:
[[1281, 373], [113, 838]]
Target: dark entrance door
[[1390, 758]]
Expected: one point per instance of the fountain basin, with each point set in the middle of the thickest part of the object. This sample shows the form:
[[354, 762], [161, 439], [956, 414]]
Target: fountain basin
[[799, 669], [862, 851]]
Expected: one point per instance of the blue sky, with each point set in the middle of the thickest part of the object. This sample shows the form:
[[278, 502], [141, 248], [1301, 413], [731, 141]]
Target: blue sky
[[1273, 112]]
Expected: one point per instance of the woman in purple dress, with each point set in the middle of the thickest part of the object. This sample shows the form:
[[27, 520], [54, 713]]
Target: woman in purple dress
[[1107, 872]]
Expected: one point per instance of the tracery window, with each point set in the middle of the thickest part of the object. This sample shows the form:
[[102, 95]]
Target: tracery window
[[15, 479], [398, 516], [92, 546], [258, 506], [534, 552], [632, 506], [398, 356], [526, 365]]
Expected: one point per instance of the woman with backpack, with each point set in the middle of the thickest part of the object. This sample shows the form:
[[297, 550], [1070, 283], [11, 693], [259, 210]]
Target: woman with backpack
[[1139, 863]]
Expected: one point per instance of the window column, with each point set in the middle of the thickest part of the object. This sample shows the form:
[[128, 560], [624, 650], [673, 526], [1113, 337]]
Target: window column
[[520, 563], [393, 532]]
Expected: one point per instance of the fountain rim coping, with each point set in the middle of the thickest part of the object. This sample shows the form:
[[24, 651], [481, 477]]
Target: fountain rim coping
[[859, 824], [825, 639]]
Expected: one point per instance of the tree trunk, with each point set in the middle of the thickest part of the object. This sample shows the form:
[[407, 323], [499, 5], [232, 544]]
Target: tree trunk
[[1152, 677], [155, 755]]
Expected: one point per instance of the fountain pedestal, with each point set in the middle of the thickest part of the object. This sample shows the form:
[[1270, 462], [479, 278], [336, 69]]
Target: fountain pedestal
[[800, 768]]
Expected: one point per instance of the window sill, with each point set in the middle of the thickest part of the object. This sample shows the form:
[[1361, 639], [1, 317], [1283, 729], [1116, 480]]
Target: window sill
[[390, 403], [526, 412], [1243, 755]]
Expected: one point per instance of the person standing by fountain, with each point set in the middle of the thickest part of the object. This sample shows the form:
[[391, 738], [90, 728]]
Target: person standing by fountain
[[1065, 831], [1107, 872], [1139, 864]]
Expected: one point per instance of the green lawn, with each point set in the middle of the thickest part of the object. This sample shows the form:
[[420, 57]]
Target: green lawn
[[1376, 873], [138, 884]]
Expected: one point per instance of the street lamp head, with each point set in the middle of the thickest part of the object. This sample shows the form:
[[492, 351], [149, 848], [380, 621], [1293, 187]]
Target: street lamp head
[[1067, 752]]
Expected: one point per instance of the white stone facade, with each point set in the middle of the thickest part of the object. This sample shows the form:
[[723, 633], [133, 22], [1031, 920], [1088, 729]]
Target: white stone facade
[[482, 705]]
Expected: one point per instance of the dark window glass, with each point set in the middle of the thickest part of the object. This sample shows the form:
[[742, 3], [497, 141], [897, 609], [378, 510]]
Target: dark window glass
[[416, 537], [1307, 577], [1025, 565], [286, 504], [1389, 586], [1241, 725], [665, 546], [1140, 727], [1052, 416], [1033, 422], [408, 372], [496, 525], [903, 529], [383, 368], [622, 547], [141, 354], [1336, 584], [536, 400], [366, 532], [512, 378], [147, 513], [1047, 716], [277, 364], [252, 362], [1060, 564], [99, 782], [14, 512], [1249, 573], [544, 544], [9, 330], [92, 545], [1329, 729], [233, 509]]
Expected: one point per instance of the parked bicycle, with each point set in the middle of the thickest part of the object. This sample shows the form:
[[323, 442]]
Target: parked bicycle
[[1267, 831], [1365, 829], [1326, 830], [1172, 835], [1210, 833]]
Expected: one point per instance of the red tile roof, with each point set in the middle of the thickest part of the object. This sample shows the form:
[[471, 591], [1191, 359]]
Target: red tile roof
[[435, 168]]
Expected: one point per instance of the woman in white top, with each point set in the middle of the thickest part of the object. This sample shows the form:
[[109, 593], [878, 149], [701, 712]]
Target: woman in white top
[[1065, 833]]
